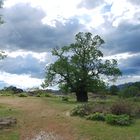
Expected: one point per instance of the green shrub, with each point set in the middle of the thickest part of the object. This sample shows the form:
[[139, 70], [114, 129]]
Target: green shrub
[[22, 95], [65, 98], [131, 91], [81, 110], [38, 95], [96, 116], [47, 95], [136, 99], [113, 90], [121, 107], [123, 120], [100, 107]]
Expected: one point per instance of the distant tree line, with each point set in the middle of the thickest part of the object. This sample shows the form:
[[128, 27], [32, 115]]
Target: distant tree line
[[126, 90]]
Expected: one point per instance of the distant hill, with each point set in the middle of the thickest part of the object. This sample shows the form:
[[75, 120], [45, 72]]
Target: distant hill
[[137, 84]]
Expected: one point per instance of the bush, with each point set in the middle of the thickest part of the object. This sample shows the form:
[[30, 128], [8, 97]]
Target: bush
[[47, 95], [22, 95], [100, 107], [113, 90], [121, 107], [131, 91], [96, 116], [65, 98], [123, 120], [81, 110], [38, 95]]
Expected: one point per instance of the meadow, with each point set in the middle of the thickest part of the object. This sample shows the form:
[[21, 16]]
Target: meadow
[[52, 115]]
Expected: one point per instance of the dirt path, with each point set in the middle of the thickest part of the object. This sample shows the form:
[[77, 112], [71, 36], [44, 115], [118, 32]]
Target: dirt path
[[40, 116]]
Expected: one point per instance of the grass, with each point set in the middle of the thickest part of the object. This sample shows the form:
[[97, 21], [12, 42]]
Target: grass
[[10, 133], [50, 114]]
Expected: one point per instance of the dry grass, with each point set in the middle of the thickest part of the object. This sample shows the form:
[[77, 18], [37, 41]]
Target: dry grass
[[39, 115], [49, 117]]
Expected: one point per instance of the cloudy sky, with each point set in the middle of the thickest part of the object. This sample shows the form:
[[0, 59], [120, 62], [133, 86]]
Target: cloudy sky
[[33, 27]]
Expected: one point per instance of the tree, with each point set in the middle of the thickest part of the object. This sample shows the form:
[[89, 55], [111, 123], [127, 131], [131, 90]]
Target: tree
[[80, 66], [129, 91], [114, 90]]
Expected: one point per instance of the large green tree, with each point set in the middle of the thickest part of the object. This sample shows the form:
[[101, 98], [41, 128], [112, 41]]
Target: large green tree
[[79, 67]]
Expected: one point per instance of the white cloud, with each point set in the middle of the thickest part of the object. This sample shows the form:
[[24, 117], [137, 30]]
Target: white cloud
[[62, 10], [42, 57], [21, 81], [126, 79], [121, 56]]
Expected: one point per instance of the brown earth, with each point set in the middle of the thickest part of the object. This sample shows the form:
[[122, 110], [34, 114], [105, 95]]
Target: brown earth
[[43, 115]]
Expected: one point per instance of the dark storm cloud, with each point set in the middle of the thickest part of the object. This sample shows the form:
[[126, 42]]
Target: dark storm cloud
[[131, 65], [24, 65], [90, 4], [24, 30], [124, 38]]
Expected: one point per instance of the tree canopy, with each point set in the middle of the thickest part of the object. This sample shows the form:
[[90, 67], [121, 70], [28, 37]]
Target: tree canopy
[[80, 67]]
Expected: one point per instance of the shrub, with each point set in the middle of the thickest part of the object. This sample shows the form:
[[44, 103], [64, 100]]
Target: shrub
[[81, 110], [123, 120], [100, 107], [121, 107], [128, 92], [22, 95], [38, 95], [47, 95], [136, 99], [96, 116], [113, 90], [65, 98]]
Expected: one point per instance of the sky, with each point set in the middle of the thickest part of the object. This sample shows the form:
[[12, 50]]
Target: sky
[[33, 27]]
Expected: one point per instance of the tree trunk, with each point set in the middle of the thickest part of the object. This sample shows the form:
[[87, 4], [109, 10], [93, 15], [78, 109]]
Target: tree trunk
[[81, 96]]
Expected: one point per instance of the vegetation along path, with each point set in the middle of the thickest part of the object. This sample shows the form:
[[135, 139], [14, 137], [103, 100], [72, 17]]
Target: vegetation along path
[[51, 115]]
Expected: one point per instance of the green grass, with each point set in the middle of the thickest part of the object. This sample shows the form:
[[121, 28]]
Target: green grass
[[10, 133], [95, 130], [82, 128], [102, 131], [7, 111]]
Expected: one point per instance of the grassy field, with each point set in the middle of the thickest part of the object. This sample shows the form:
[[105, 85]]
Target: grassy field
[[35, 114]]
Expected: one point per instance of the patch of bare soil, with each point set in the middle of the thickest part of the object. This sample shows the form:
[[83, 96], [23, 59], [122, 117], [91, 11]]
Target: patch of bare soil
[[46, 136], [40, 117]]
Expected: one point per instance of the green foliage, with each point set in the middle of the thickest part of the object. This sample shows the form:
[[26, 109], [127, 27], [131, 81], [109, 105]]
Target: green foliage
[[65, 98], [12, 90], [114, 90], [22, 95], [96, 116], [136, 99], [130, 91], [47, 95], [90, 108], [79, 66], [38, 95], [121, 107], [5, 93], [42, 94], [123, 120], [81, 110]]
